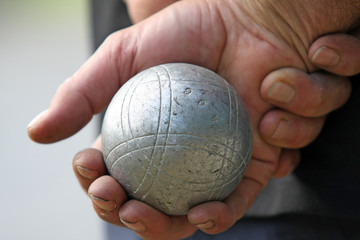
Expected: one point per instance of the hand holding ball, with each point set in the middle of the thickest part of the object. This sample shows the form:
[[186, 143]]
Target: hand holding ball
[[177, 135]]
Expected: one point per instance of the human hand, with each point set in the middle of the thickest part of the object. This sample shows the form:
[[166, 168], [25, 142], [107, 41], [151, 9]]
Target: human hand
[[343, 60], [306, 126], [129, 51]]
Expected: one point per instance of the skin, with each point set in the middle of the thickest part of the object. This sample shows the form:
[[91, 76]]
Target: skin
[[224, 38]]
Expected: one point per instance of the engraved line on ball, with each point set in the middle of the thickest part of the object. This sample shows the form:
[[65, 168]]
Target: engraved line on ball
[[220, 87], [128, 113], [227, 139], [123, 104], [192, 146], [174, 135], [183, 182], [177, 145], [167, 130], [167, 79], [156, 136], [129, 99]]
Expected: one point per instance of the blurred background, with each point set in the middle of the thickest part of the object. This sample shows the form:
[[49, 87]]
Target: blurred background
[[42, 42]]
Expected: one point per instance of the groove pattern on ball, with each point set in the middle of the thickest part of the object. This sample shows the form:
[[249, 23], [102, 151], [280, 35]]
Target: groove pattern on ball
[[177, 135]]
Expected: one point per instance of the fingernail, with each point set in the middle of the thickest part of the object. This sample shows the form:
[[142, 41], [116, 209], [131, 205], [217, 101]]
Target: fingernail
[[326, 57], [136, 226], [107, 205], [280, 92], [206, 225], [36, 119], [87, 173], [282, 131]]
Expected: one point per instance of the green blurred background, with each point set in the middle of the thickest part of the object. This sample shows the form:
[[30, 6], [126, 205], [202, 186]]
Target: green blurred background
[[42, 42]]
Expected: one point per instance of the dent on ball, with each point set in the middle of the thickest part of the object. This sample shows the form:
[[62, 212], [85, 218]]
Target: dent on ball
[[177, 135]]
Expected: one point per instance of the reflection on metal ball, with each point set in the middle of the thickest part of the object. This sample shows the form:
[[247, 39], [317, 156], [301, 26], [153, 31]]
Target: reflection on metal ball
[[177, 135]]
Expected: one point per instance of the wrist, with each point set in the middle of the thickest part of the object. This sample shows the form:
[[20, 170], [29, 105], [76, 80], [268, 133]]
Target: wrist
[[308, 19], [299, 23]]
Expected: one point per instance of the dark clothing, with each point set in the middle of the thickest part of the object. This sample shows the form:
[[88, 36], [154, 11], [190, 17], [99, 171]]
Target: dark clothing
[[320, 199], [288, 227], [330, 166], [107, 17], [280, 227]]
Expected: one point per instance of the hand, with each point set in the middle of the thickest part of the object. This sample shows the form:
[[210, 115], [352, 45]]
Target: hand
[[321, 56], [129, 51], [345, 62], [306, 126]]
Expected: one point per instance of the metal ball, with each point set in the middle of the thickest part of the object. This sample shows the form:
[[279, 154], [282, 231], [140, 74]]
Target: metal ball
[[177, 135]]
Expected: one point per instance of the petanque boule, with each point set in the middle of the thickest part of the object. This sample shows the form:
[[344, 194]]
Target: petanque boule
[[177, 135]]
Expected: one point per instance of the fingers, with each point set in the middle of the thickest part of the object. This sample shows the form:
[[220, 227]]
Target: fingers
[[309, 95], [337, 53], [288, 161], [88, 165], [150, 224], [107, 196], [212, 217], [283, 129], [303, 99], [216, 217], [106, 193], [110, 202]]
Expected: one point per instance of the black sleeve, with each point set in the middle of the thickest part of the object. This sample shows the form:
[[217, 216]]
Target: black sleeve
[[330, 166], [107, 17]]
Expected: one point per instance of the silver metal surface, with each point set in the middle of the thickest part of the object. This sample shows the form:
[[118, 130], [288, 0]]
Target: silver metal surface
[[177, 135]]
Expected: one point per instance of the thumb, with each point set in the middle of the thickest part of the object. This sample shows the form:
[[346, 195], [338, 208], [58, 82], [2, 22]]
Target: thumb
[[86, 93], [337, 53], [159, 39]]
